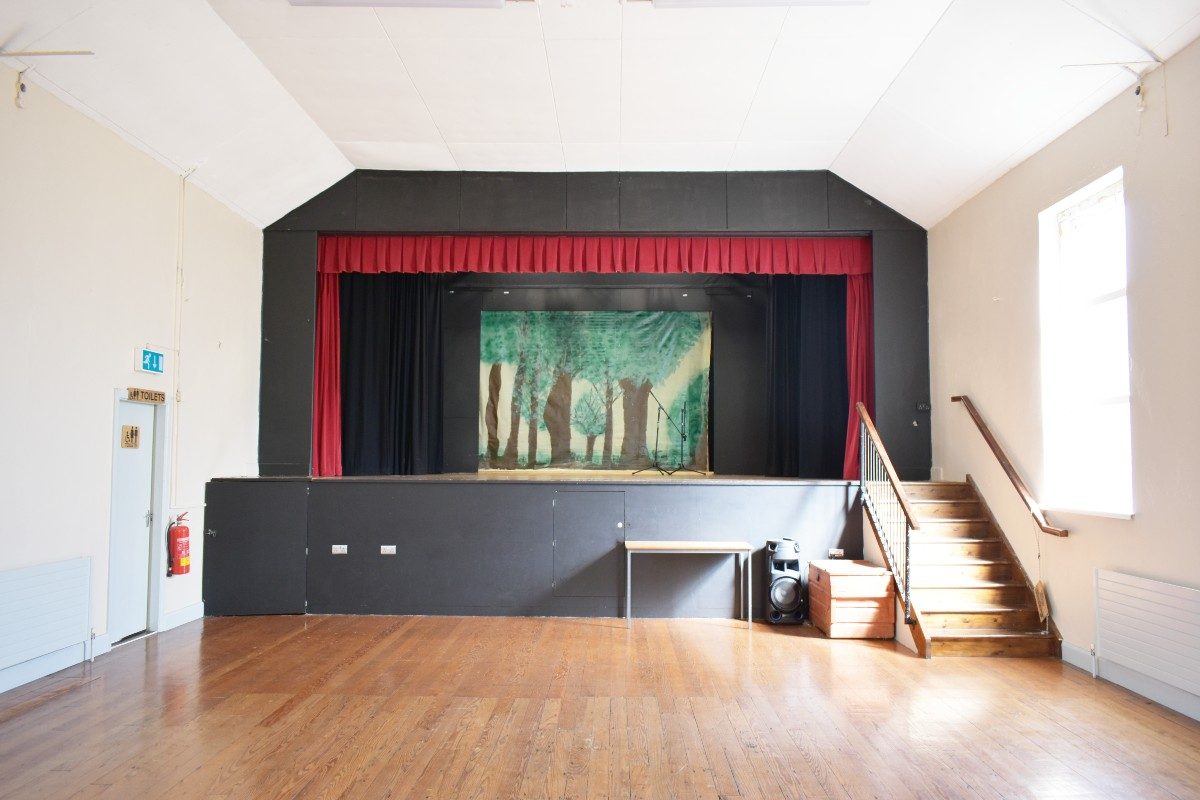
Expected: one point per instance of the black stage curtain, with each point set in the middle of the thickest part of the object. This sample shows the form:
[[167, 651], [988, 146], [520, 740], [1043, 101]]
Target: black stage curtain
[[809, 392], [391, 326]]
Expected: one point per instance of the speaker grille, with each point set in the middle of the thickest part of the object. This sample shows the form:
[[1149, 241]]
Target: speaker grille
[[785, 594]]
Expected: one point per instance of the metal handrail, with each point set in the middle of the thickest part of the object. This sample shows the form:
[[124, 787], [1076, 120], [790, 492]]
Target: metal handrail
[[887, 505]]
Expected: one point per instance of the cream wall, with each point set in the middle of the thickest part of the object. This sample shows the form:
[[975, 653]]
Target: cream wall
[[983, 293], [88, 252]]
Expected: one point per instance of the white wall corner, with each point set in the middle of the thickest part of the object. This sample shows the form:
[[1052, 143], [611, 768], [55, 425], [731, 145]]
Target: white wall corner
[[182, 616]]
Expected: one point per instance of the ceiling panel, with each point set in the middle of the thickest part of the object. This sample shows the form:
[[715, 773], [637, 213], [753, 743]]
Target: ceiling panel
[[399, 155], [1148, 23], [907, 165], [994, 81], [355, 89], [994, 74], [484, 90], [643, 21], [587, 88], [818, 85], [689, 91], [675, 156], [260, 19], [23, 22], [264, 170], [508, 156], [581, 19], [514, 21], [784, 155], [592, 156]]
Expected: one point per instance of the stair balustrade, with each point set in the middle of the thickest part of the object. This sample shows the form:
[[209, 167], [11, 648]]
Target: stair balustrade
[[887, 506]]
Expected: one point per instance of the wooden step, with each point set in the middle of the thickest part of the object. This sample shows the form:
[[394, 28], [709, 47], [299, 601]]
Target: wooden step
[[934, 570], [939, 548], [947, 509], [993, 642], [947, 594], [983, 615], [978, 528], [938, 490]]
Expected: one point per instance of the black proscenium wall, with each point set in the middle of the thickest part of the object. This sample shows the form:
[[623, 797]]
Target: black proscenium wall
[[784, 203]]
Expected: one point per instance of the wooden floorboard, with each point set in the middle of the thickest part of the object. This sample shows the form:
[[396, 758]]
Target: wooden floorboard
[[480, 708]]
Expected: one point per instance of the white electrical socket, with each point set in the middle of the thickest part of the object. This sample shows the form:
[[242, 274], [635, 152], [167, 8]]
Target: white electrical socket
[[837, 552], [340, 549], [387, 549]]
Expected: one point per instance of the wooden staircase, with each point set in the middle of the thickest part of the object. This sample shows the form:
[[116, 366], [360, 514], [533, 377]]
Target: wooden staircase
[[969, 594]]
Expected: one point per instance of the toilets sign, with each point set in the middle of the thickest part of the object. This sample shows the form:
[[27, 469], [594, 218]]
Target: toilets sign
[[150, 361]]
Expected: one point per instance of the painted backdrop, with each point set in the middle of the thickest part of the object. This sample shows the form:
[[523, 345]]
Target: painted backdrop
[[577, 389]]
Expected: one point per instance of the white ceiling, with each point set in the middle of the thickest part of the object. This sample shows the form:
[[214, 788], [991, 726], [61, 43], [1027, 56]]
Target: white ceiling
[[173, 79], [920, 103]]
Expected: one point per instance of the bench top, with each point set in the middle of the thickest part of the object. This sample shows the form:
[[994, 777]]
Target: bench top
[[687, 546]]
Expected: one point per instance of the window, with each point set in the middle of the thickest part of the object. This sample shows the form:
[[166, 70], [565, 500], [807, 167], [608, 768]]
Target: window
[[1085, 351]]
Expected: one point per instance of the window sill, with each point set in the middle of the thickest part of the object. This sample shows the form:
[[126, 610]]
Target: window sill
[[1085, 513]]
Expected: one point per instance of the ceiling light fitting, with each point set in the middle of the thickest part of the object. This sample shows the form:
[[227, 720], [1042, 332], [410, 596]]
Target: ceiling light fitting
[[746, 3], [29, 53], [403, 3]]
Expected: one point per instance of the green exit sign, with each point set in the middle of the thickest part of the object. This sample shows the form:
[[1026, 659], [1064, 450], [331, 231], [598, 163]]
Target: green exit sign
[[151, 361]]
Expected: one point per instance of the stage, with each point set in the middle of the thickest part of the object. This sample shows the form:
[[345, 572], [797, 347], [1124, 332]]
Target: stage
[[503, 542]]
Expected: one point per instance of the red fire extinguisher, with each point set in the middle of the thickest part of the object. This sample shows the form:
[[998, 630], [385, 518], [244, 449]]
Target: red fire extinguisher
[[179, 551]]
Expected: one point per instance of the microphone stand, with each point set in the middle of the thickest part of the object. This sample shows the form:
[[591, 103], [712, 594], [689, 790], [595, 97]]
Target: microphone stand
[[682, 442], [657, 426], [682, 431]]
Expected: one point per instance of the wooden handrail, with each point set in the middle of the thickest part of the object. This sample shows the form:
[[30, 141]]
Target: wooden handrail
[[893, 478], [1034, 509]]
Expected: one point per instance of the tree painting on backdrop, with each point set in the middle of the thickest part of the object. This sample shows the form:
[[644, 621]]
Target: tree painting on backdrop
[[582, 389]]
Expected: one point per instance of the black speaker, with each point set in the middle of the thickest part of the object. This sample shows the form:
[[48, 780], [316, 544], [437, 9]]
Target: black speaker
[[786, 596]]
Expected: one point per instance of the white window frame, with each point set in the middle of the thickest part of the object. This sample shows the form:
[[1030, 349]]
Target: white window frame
[[1051, 304]]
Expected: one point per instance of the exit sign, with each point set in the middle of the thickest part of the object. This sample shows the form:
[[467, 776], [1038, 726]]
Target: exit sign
[[150, 361]]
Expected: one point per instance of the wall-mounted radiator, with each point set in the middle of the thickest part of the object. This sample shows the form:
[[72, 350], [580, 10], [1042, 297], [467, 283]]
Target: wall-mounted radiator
[[1153, 629], [45, 619]]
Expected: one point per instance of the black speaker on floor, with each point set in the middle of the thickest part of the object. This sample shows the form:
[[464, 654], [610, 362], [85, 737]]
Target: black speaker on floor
[[786, 598]]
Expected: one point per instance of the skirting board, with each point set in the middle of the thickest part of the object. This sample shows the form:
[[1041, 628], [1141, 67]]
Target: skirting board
[[1173, 698], [40, 667], [20, 674], [1164, 694]]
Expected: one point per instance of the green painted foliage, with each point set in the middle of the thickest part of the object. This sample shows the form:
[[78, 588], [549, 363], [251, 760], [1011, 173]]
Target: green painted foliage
[[612, 351]]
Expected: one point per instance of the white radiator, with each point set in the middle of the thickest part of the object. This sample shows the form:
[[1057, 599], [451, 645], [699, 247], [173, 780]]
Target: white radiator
[[1151, 628], [45, 610]]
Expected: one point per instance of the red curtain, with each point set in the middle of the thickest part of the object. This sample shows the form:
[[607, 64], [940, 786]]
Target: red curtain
[[860, 363], [327, 380], [774, 255]]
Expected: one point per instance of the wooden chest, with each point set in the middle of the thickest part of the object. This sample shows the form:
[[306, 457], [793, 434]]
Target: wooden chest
[[851, 599]]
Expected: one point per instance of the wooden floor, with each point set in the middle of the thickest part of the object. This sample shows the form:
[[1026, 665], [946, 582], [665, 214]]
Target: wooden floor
[[451, 707]]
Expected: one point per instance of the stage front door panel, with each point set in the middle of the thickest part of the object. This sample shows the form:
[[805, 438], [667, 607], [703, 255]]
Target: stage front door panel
[[589, 537], [254, 547]]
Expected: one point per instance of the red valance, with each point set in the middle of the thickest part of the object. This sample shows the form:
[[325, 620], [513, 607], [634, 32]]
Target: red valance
[[735, 255]]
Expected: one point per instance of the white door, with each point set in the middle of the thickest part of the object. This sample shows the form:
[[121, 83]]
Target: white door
[[132, 493]]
